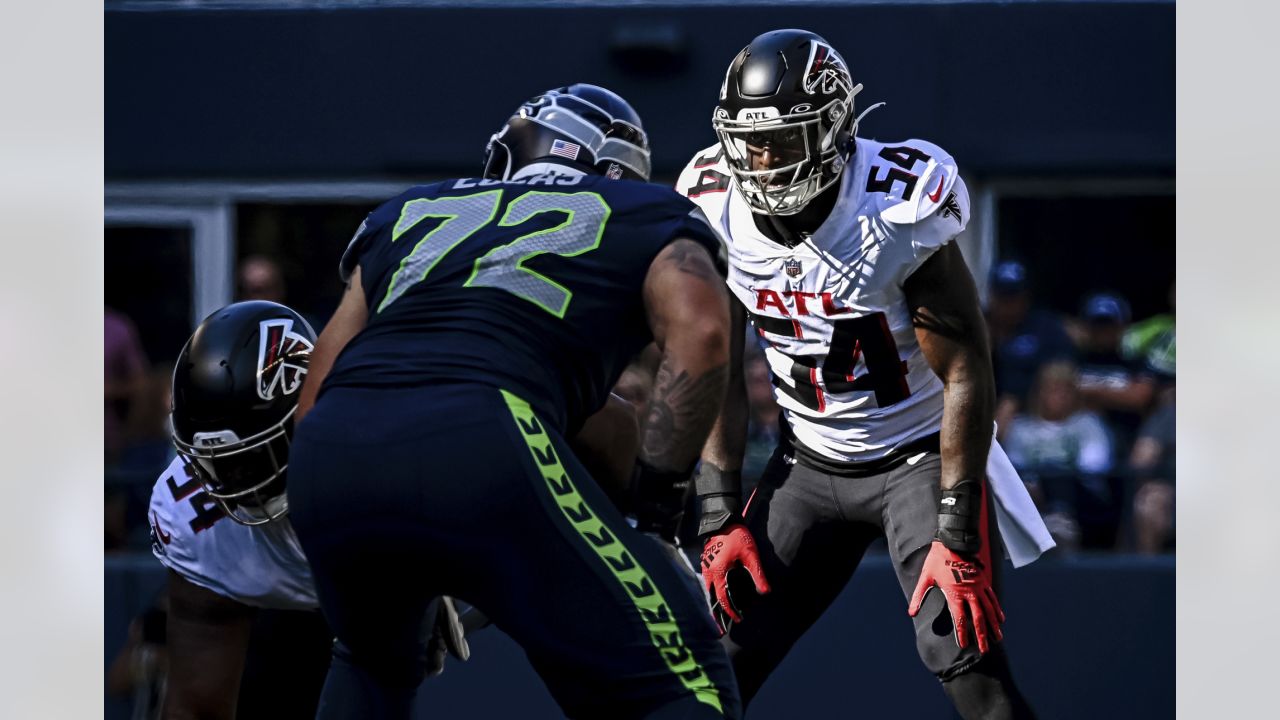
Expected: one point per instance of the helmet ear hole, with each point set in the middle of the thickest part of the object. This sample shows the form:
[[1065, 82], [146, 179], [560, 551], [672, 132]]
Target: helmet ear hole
[[844, 141]]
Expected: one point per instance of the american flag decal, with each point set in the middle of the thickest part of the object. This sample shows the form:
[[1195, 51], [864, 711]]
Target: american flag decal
[[565, 149]]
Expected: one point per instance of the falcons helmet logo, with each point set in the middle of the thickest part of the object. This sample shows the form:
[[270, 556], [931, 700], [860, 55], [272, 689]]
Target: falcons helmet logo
[[281, 353]]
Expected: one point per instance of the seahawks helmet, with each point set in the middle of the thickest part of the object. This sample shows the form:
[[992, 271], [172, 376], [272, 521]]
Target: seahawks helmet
[[785, 120], [583, 127], [235, 390]]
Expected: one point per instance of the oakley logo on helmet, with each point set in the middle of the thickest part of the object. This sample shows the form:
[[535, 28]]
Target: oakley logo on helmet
[[282, 356]]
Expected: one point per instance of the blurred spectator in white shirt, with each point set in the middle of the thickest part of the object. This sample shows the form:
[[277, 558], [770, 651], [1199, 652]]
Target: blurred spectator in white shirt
[[1062, 451]]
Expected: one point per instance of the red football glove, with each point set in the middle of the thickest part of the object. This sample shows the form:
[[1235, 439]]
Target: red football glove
[[723, 551], [966, 584]]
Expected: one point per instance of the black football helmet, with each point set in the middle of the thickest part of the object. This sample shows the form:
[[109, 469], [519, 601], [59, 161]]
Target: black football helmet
[[235, 390], [584, 127], [788, 95]]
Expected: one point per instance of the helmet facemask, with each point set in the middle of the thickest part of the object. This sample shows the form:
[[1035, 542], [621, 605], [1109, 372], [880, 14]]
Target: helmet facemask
[[809, 149], [245, 477]]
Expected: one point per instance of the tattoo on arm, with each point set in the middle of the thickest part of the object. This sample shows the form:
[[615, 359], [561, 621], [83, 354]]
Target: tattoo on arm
[[679, 415], [691, 258]]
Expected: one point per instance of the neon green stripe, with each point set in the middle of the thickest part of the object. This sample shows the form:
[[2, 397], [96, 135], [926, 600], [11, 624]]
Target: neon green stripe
[[644, 593]]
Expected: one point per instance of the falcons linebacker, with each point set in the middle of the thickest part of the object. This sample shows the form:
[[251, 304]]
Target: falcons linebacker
[[235, 390], [841, 256]]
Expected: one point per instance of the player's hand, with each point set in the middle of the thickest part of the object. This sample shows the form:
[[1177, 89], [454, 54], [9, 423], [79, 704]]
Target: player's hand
[[965, 582], [448, 635], [732, 547]]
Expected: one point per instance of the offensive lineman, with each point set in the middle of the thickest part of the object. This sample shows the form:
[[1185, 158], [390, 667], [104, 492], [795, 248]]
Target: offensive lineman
[[235, 390], [484, 320], [841, 256]]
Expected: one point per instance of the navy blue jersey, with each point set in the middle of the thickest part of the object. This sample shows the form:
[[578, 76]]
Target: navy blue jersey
[[533, 288]]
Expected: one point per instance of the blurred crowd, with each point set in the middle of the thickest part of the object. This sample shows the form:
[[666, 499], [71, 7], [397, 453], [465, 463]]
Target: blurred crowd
[[1085, 411]]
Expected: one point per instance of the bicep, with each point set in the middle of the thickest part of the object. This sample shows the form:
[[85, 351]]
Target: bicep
[[353, 311], [207, 636], [683, 293], [946, 313]]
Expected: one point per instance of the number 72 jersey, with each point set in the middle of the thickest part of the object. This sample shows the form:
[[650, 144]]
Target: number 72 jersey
[[847, 370]]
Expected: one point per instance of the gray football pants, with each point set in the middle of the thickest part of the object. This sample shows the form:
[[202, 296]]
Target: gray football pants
[[812, 529]]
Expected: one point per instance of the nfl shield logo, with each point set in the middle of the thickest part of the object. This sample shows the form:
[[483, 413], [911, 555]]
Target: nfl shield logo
[[792, 266]]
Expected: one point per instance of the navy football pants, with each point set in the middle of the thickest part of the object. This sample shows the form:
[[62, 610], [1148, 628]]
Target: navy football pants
[[399, 496]]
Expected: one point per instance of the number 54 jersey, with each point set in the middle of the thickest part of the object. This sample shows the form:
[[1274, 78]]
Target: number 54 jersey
[[848, 373]]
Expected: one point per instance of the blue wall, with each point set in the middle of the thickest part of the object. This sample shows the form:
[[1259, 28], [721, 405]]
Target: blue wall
[[1091, 637], [1049, 88]]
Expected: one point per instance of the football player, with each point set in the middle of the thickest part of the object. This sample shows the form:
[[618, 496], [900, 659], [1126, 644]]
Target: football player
[[842, 257], [219, 511], [484, 320]]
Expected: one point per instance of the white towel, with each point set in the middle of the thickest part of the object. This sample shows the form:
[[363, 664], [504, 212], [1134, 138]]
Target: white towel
[[1021, 527]]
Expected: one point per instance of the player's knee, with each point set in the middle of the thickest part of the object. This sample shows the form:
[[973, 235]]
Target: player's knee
[[985, 689], [936, 640]]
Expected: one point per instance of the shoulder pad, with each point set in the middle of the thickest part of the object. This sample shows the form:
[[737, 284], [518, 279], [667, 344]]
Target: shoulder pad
[[706, 174], [937, 173]]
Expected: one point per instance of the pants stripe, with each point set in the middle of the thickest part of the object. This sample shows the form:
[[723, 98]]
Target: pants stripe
[[644, 593]]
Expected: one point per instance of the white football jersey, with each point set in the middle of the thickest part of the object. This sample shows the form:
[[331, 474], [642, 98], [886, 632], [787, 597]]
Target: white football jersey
[[262, 566], [848, 373]]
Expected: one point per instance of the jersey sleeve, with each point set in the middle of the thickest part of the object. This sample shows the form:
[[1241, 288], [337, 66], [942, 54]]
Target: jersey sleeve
[[675, 217], [351, 256], [695, 226], [947, 219], [257, 566], [172, 539]]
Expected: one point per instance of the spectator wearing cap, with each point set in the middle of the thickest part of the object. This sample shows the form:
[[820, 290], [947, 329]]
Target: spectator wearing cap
[[1119, 388], [1153, 342], [1023, 338]]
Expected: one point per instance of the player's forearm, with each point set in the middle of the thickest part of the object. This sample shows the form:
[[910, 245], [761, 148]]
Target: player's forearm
[[719, 480], [728, 439], [968, 411], [350, 318], [727, 442], [207, 637], [328, 345], [686, 400]]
